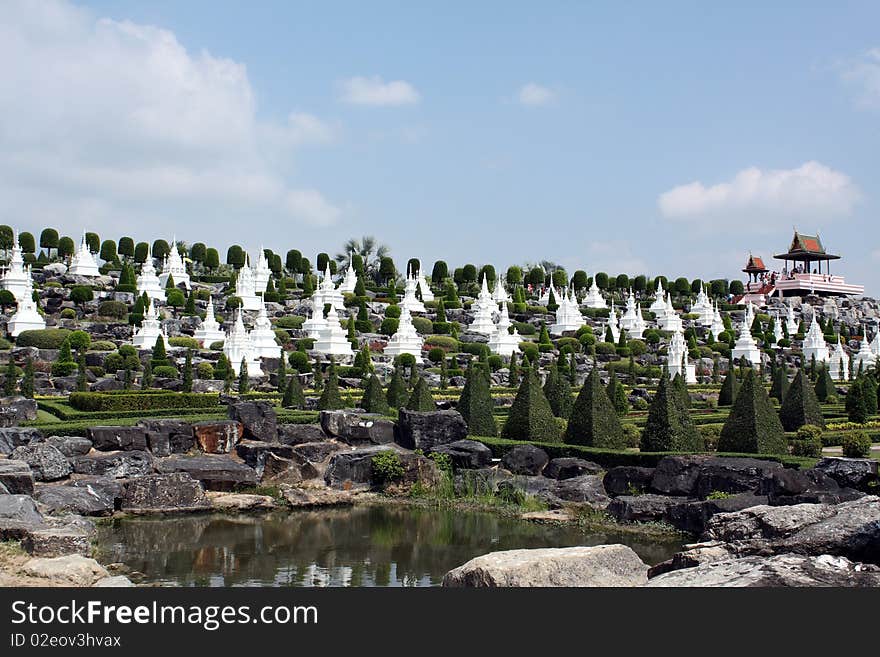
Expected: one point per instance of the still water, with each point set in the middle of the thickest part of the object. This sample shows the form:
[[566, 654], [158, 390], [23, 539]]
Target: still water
[[355, 546]]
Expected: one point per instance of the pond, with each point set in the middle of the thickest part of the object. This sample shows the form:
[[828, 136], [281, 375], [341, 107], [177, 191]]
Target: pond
[[354, 546]]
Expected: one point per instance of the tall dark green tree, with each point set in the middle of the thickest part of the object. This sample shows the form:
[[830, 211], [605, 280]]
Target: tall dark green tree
[[753, 427], [397, 393], [374, 400], [475, 403], [824, 384], [593, 421], [82, 381], [318, 376], [530, 417], [10, 379], [330, 398], [780, 384], [856, 404], [558, 392], [669, 426], [27, 382], [188, 372], [293, 393], [244, 380], [160, 356], [800, 405], [420, 399], [147, 376], [617, 394], [728, 388]]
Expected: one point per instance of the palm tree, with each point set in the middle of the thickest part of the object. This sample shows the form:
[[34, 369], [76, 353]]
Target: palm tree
[[367, 247]]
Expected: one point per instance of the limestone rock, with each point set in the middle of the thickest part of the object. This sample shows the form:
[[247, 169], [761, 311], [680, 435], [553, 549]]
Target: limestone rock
[[258, 419], [16, 477], [164, 493], [525, 460], [627, 480], [218, 437], [70, 570], [119, 465], [118, 438], [417, 430], [240, 501], [46, 462], [466, 453], [12, 437], [566, 467], [216, 472], [357, 428]]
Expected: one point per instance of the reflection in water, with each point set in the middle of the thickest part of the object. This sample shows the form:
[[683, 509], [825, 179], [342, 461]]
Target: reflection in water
[[360, 546]]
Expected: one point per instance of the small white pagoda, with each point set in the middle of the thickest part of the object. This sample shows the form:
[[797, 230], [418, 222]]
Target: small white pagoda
[[349, 282], [814, 344], [262, 273], [791, 323], [424, 288], [677, 359], [327, 291], [499, 294], [875, 344], [332, 339], [502, 341], [628, 319], [702, 307], [316, 322], [637, 330], [485, 299], [27, 317], [410, 299], [670, 320], [148, 282], [717, 327], [864, 358], [745, 344], [594, 298], [150, 329], [483, 321], [777, 330], [612, 323], [568, 315], [209, 330], [658, 307], [16, 276], [173, 266], [406, 339], [83, 262], [238, 346], [838, 367], [246, 289], [263, 337]]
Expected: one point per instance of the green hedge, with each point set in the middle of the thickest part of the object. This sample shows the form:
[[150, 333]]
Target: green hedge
[[98, 401], [609, 458], [80, 427], [50, 338]]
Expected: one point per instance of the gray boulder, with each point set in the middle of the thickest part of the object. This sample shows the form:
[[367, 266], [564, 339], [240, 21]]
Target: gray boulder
[[779, 570], [627, 480], [19, 508], [693, 517], [258, 419], [525, 460], [118, 465], [166, 437], [81, 500], [466, 453], [295, 434], [18, 409], [677, 475], [353, 468], [649, 507], [118, 438], [16, 477], [216, 472], [586, 489], [218, 437], [357, 428], [732, 475], [70, 446], [164, 493], [603, 565], [566, 467], [850, 473], [12, 437], [786, 486], [46, 462], [417, 430]]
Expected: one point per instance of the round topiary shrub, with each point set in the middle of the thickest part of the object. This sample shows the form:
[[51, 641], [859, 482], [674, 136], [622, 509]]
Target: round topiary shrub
[[67, 313], [808, 441], [184, 341], [80, 340], [216, 346], [299, 360], [165, 372], [114, 309], [63, 369], [445, 343], [856, 445], [204, 370], [436, 354], [422, 325], [50, 338], [392, 312], [405, 360], [103, 345], [389, 326], [632, 435], [495, 362]]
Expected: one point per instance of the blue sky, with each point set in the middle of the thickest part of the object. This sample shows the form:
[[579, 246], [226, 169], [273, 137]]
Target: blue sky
[[643, 138]]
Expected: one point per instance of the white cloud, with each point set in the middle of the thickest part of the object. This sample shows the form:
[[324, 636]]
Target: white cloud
[[533, 95], [864, 74], [113, 123], [376, 92], [757, 197]]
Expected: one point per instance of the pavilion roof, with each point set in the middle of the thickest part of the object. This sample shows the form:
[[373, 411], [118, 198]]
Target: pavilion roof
[[806, 247], [755, 263]]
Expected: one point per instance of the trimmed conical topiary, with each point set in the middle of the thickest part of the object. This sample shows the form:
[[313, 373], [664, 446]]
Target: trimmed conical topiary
[[475, 403], [420, 398], [557, 389], [800, 405], [729, 387], [680, 387], [617, 394], [856, 406], [397, 393], [753, 427], [779, 388], [669, 426], [530, 416], [593, 420], [293, 393], [374, 400], [869, 383], [824, 384], [330, 398]]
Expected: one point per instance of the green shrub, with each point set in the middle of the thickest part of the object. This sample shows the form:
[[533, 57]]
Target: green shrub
[[115, 309], [420, 399], [135, 401], [606, 348], [808, 442], [632, 435], [524, 328], [79, 340], [710, 434], [475, 402], [753, 426], [436, 354], [63, 369], [216, 346], [50, 338], [103, 345], [373, 400], [530, 417], [67, 313], [387, 468], [445, 343], [184, 341], [669, 426], [205, 370], [800, 406], [856, 445], [290, 322], [299, 360], [422, 325], [389, 326]]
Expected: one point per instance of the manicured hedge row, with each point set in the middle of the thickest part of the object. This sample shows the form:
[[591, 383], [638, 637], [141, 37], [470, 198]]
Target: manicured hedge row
[[80, 427], [609, 458], [98, 401], [68, 414]]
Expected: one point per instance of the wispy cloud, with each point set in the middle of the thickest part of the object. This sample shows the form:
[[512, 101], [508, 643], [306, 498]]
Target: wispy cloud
[[863, 73], [758, 197], [376, 92], [533, 94]]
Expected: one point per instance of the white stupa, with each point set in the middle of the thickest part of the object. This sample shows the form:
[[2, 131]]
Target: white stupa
[[483, 321], [150, 329], [349, 282], [499, 294], [670, 320], [332, 339], [777, 330], [246, 288], [263, 337], [424, 288], [326, 291], [791, 323], [702, 307], [406, 339], [262, 272], [814, 344], [83, 262], [16, 276], [544, 299], [173, 266], [594, 298], [209, 330], [637, 328], [677, 359], [628, 319], [875, 343], [485, 299], [717, 327], [864, 358], [315, 322], [148, 282], [502, 341], [612, 323], [745, 344], [26, 317], [410, 299], [838, 367], [238, 346], [658, 307], [568, 315]]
